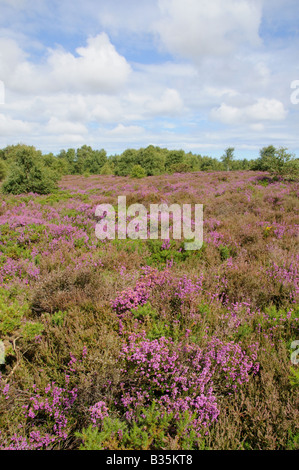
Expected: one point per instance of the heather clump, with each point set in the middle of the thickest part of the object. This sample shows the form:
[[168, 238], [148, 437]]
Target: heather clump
[[172, 382]]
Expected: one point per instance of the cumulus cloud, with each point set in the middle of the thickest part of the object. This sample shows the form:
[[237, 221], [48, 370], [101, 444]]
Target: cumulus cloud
[[10, 126], [262, 110], [170, 103], [196, 28], [56, 126], [97, 68]]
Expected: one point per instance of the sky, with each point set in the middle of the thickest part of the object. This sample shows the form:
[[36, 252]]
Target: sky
[[197, 75]]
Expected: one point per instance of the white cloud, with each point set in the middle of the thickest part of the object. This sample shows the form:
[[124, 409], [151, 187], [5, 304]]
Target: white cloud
[[71, 139], [258, 127], [56, 126], [125, 131], [170, 103], [263, 110], [97, 68], [9, 126], [11, 56], [168, 72], [196, 28]]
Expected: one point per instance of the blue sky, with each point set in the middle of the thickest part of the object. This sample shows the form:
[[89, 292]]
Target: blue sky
[[198, 75]]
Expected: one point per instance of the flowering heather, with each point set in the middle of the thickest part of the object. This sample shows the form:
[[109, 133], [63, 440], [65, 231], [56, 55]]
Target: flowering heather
[[180, 376], [139, 344], [98, 412], [49, 408]]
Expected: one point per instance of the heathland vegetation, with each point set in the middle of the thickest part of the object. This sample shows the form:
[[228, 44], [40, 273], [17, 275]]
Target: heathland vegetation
[[27, 169], [139, 344]]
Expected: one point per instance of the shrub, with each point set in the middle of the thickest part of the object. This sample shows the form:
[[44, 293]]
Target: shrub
[[28, 174], [277, 161], [138, 172]]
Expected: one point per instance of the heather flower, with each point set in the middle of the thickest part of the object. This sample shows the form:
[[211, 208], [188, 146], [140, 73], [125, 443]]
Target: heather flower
[[98, 412]]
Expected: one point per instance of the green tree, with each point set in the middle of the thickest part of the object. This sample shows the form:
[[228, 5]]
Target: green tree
[[82, 156], [267, 155], [29, 174], [151, 159], [174, 157], [278, 162], [95, 161], [192, 161], [107, 169], [209, 164], [67, 160], [228, 157], [125, 162], [284, 163], [182, 167]]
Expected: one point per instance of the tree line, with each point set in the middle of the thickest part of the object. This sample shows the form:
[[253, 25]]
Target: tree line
[[25, 169]]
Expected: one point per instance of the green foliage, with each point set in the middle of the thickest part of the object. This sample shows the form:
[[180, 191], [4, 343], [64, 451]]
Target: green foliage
[[29, 174], [294, 377], [152, 160], [30, 330], [267, 154], [225, 252], [137, 172], [182, 167], [11, 312], [209, 164], [57, 318], [151, 430], [275, 313], [245, 330], [228, 158], [156, 325], [125, 162], [293, 441], [284, 163], [3, 170], [277, 161], [89, 160], [66, 159], [174, 251], [52, 199], [174, 157], [107, 169]]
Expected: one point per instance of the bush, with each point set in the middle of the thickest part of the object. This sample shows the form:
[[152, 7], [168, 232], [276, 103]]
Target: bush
[[137, 172], [28, 174], [277, 161]]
